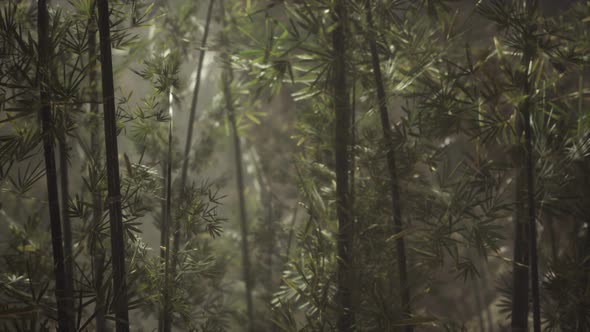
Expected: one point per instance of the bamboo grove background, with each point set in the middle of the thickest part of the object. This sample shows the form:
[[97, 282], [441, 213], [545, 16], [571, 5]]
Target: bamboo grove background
[[304, 165]]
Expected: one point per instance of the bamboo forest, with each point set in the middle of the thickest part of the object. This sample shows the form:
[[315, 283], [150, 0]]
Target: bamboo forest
[[295, 165]]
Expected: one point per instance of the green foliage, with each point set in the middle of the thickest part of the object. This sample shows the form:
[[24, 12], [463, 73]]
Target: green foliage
[[453, 75]]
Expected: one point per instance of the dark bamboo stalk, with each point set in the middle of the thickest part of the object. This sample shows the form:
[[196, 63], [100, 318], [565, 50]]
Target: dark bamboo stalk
[[98, 254], [66, 222], [227, 79], [346, 316], [552, 236], [358, 279], [532, 221], [396, 206], [64, 313], [520, 265], [478, 303], [530, 178], [582, 307], [164, 228], [353, 141], [164, 243], [195, 99], [582, 326], [113, 181], [167, 324], [526, 231]]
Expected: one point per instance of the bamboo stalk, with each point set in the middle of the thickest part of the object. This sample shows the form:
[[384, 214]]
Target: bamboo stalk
[[167, 216], [346, 315], [164, 243], [396, 206], [189, 135], [113, 180], [97, 251], [526, 232], [227, 79], [66, 222], [530, 166], [64, 310], [266, 199]]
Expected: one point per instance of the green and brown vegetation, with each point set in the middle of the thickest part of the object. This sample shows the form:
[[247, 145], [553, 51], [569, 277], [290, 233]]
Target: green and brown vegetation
[[296, 166]]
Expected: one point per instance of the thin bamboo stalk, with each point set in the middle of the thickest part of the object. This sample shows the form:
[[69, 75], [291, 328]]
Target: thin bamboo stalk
[[190, 129], [167, 217], [396, 206], [227, 79], [97, 251]]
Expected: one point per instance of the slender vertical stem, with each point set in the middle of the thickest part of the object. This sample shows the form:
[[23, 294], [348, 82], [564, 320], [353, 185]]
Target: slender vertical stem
[[187, 149], [164, 257], [352, 149], [484, 286], [580, 102], [396, 206], [64, 313], [168, 221], [478, 304], [66, 222], [530, 169], [520, 266], [266, 199], [583, 326], [227, 79], [270, 248], [242, 200], [552, 237], [341, 100], [291, 231], [195, 99], [532, 224], [97, 253], [526, 232], [544, 212], [113, 181], [357, 275], [189, 135]]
